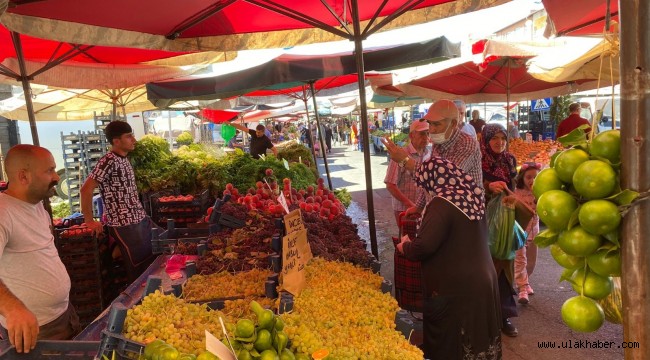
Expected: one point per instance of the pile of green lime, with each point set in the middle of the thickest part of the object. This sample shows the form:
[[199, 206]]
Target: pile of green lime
[[160, 350], [579, 199], [263, 339]]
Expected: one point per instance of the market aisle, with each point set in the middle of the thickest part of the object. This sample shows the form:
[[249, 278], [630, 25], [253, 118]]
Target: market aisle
[[347, 171], [538, 322]]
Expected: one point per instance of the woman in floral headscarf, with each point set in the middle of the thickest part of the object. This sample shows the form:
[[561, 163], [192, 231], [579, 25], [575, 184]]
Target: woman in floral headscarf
[[462, 318], [499, 172]]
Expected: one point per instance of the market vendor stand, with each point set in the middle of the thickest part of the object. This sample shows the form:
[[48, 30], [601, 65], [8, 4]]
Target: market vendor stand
[[132, 295]]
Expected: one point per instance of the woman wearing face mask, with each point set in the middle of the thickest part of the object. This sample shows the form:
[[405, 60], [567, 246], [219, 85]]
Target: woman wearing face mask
[[499, 172]]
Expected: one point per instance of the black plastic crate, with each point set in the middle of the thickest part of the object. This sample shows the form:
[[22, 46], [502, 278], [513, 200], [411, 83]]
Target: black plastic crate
[[163, 242], [182, 212], [230, 221], [86, 295], [202, 201], [146, 198], [53, 350], [73, 244]]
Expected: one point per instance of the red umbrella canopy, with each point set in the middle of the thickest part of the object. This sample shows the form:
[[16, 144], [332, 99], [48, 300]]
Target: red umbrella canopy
[[218, 25], [219, 116], [41, 49], [498, 77], [497, 72], [578, 17], [77, 66]]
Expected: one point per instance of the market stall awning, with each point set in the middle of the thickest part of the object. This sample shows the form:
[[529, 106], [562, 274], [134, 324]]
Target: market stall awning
[[499, 75], [579, 17], [259, 115], [218, 25], [255, 115], [590, 58], [77, 66], [382, 102], [288, 71], [52, 104]]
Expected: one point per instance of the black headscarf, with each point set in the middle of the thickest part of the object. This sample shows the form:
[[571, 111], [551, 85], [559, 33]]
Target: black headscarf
[[441, 178]]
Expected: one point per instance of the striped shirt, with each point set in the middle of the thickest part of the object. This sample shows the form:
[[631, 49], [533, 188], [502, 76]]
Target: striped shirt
[[403, 179], [462, 150]]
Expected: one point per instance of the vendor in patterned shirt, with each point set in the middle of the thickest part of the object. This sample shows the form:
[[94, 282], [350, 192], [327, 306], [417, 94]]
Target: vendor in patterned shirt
[[126, 219]]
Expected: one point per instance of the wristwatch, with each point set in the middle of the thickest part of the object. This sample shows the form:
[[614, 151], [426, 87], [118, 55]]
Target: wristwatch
[[403, 162]]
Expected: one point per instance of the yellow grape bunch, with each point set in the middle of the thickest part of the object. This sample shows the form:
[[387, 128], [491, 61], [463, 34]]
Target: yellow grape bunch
[[343, 310], [180, 324], [225, 284]]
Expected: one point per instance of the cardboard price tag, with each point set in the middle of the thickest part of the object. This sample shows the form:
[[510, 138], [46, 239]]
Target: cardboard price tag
[[296, 254], [293, 222]]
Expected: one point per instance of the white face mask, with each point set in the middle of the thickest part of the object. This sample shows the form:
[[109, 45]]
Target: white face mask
[[441, 138]]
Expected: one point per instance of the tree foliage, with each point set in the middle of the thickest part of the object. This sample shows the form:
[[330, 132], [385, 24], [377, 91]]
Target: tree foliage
[[559, 109]]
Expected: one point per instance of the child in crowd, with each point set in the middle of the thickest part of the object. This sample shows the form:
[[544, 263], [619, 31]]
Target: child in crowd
[[526, 257]]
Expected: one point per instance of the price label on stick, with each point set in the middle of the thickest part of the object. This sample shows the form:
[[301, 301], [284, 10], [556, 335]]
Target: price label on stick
[[216, 347], [283, 201]]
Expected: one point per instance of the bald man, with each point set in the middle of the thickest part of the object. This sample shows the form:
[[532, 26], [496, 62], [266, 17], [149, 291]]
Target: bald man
[[34, 284]]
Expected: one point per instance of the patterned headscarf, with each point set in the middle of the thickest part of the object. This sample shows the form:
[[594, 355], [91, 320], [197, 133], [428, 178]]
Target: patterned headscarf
[[496, 167], [441, 178]]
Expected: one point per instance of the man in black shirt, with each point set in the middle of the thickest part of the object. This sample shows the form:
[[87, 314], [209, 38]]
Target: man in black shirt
[[259, 142]]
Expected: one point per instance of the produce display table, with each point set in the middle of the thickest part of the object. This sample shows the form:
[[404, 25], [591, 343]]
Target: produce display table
[[131, 296]]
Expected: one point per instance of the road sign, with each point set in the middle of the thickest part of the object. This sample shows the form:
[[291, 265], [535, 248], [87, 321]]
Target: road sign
[[541, 104]]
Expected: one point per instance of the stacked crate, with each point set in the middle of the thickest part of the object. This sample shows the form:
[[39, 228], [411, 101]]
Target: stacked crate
[[181, 211], [80, 253], [94, 146], [101, 121], [81, 152], [73, 165]]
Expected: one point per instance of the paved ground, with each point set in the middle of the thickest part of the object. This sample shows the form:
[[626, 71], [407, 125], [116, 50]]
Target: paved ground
[[538, 321]]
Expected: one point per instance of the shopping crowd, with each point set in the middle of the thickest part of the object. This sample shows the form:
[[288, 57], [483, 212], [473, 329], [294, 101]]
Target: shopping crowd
[[446, 175]]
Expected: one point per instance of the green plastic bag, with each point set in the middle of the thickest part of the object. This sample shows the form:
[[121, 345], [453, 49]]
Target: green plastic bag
[[505, 235], [228, 132]]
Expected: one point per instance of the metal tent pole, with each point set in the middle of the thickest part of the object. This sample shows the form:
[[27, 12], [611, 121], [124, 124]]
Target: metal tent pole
[[27, 91], [509, 64], [114, 110], [635, 165], [309, 140], [358, 52], [322, 142]]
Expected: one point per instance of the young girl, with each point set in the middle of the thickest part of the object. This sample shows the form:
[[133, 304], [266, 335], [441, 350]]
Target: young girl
[[526, 257]]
